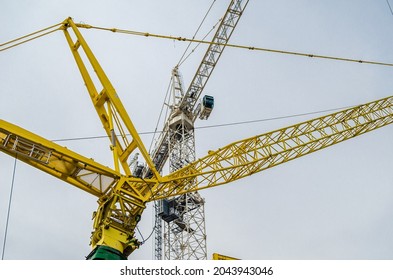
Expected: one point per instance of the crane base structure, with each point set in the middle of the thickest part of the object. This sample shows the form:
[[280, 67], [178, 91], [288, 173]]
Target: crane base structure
[[105, 253]]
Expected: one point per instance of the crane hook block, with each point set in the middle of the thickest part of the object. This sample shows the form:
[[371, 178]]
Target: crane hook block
[[207, 107]]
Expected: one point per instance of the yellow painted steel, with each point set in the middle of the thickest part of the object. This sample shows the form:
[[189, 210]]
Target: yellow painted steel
[[56, 160], [246, 157], [109, 108], [122, 197], [219, 257]]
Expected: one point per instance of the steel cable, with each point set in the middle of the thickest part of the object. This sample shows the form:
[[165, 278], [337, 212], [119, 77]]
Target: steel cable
[[9, 208], [20, 40], [251, 48]]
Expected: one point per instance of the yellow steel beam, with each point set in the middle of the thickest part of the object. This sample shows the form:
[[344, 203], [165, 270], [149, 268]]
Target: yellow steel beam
[[122, 198], [246, 157], [56, 160], [107, 103], [219, 257]]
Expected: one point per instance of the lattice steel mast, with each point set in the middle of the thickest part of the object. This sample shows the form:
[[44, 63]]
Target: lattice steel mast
[[184, 234]]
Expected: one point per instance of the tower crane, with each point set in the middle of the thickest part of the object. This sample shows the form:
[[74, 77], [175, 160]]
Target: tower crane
[[122, 197], [184, 229]]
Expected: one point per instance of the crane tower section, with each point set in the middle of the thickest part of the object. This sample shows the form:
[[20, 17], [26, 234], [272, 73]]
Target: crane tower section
[[184, 230], [184, 235]]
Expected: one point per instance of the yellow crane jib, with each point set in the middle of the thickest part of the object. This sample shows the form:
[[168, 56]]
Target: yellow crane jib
[[115, 119], [248, 156]]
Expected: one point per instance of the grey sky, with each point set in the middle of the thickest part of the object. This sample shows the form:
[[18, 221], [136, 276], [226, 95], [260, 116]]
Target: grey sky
[[333, 204]]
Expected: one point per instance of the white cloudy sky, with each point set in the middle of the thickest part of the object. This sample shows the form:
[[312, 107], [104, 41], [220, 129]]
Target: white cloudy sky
[[334, 204]]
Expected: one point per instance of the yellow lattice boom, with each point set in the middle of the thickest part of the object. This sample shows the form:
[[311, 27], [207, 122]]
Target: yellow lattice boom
[[246, 157]]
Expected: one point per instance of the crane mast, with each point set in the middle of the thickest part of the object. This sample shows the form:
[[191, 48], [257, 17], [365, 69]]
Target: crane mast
[[121, 208], [184, 235], [184, 226]]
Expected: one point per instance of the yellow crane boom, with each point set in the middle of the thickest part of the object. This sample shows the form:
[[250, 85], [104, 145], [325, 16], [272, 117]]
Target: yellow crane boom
[[123, 198], [246, 157], [115, 119]]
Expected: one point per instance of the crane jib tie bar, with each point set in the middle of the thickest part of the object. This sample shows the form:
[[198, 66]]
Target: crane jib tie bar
[[29, 37], [184, 39]]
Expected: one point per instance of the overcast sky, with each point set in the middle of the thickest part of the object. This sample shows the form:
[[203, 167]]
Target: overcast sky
[[333, 204]]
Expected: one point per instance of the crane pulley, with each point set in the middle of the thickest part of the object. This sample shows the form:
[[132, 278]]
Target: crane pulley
[[122, 197]]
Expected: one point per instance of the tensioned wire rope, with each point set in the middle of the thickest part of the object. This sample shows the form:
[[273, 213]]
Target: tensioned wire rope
[[251, 48], [30, 37], [214, 125], [390, 7], [25, 39], [9, 208], [182, 59]]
